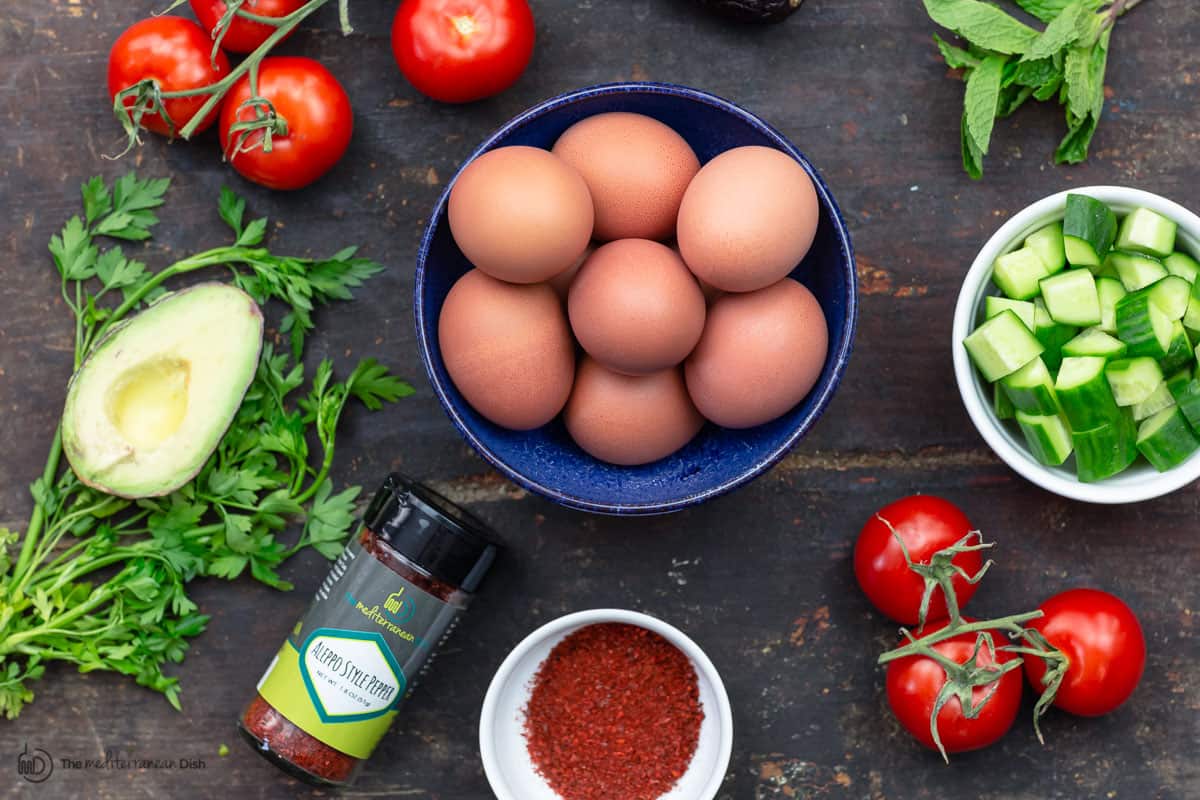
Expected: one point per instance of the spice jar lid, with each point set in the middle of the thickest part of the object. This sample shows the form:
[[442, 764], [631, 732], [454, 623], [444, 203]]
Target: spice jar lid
[[433, 533]]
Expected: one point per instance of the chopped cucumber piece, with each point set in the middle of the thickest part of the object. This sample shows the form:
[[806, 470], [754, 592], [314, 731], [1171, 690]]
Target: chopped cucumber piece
[[1159, 399], [1146, 231], [1136, 271], [1179, 351], [1052, 335], [1002, 345], [1133, 379], [1185, 388], [1110, 291], [1095, 342], [1048, 244], [1142, 326], [1071, 298], [1017, 273], [1031, 389], [1089, 229], [1183, 265], [1048, 437], [1191, 317], [1084, 394], [1001, 404], [1171, 295], [1166, 439], [1105, 451], [993, 305]]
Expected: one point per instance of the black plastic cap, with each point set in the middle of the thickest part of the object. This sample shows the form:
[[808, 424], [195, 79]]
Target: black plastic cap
[[433, 533]]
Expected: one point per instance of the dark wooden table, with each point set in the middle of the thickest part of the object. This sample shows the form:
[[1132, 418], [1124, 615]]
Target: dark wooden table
[[761, 579]]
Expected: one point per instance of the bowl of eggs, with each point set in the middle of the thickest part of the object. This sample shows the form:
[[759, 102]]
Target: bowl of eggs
[[635, 297]]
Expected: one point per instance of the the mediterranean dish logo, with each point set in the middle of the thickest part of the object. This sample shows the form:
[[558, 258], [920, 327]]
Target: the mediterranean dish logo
[[397, 610]]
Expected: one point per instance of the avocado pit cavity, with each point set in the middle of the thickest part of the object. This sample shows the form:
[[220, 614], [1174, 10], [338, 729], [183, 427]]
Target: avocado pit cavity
[[148, 402]]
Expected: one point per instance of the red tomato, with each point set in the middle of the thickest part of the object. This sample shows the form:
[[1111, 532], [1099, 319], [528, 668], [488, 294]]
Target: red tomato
[[457, 51], [913, 684], [318, 116], [1105, 645], [177, 54], [926, 524], [243, 35]]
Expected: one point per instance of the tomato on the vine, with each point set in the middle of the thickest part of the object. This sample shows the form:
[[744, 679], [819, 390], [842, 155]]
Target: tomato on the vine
[[243, 35], [1105, 646], [457, 51], [313, 130], [914, 682], [176, 54], [926, 524]]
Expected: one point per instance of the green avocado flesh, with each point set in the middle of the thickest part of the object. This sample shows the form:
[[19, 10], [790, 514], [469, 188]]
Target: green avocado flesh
[[151, 402]]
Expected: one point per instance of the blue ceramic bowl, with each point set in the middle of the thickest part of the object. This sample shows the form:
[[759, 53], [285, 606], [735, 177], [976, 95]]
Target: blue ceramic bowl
[[546, 461]]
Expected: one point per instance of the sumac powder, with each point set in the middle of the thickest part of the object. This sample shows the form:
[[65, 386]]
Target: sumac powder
[[614, 712], [392, 596]]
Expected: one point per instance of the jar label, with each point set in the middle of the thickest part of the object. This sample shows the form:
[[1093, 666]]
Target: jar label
[[348, 663]]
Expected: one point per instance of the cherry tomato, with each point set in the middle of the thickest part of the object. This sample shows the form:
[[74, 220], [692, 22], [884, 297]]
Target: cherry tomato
[[457, 51], [913, 684], [1104, 642], [926, 524], [317, 113], [177, 54], [243, 35]]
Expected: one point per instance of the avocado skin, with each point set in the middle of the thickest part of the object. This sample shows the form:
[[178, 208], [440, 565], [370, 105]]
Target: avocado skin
[[753, 10]]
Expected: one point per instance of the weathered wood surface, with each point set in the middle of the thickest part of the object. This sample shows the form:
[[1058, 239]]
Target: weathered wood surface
[[762, 579]]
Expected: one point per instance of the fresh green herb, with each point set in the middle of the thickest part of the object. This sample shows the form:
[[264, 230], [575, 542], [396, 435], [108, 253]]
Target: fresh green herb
[[100, 581], [1007, 62]]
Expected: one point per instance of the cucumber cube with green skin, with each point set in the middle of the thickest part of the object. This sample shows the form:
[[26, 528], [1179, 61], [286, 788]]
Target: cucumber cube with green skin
[[1031, 389], [1132, 380], [1002, 345], [1084, 394], [1095, 342], [1179, 351], [1017, 273], [1071, 298], [993, 305], [1159, 399], [1110, 291], [1052, 335], [1089, 229], [1172, 295], [1048, 437], [1136, 270], [1191, 317], [1166, 439], [1185, 388], [1146, 231], [1048, 244], [1142, 326], [1001, 404], [1183, 265], [1105, 451]]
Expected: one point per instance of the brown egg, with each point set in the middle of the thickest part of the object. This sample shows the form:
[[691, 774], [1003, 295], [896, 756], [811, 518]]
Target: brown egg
[[630, 419], [761, 354], [521, 214], [637, 169], [561, 283], [747, 219], [635, 308], [508, 349]]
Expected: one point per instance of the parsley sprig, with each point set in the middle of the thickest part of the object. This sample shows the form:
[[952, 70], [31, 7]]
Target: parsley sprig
[[1007, 62], [101, 582]]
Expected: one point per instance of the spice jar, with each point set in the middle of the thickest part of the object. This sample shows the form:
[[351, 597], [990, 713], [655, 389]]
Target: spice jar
[[393, 595]]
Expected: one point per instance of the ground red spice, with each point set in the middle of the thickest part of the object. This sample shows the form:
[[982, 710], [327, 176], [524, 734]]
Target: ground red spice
[[614, 713]]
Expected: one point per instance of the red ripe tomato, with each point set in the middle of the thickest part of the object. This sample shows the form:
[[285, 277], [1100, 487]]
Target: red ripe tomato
[[457, 51], [913, 684], [177, 54], [926, 524], [317, 113], [243, 35], [1104, 642]]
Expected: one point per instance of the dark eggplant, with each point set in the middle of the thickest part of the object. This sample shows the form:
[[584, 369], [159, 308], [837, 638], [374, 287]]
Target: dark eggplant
[[753, 10]]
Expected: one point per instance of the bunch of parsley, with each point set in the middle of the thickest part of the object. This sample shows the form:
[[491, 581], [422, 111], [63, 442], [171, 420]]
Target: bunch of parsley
[[101, 582], [1007, 62]]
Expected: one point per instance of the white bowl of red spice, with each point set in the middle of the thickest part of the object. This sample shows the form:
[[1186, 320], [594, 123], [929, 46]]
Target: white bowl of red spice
[[606, 704]]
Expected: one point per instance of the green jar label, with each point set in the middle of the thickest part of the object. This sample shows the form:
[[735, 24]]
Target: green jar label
[[349, 662]]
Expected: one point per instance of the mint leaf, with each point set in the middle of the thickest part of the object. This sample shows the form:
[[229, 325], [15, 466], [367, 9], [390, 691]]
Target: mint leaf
[[955, 57], [1063, 31], [984, 24], [982, 101], [971, 155], [1047, 10]]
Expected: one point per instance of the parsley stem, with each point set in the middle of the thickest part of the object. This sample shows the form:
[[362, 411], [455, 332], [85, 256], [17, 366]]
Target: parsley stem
[[38, 519], [100, 595]]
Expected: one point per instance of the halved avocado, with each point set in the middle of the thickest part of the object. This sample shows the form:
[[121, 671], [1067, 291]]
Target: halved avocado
[[151, 402]]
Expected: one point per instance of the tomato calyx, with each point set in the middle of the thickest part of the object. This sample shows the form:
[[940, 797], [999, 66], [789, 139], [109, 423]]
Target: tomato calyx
[[147, 97], [941, 570], [1057, 664], [266, 120]]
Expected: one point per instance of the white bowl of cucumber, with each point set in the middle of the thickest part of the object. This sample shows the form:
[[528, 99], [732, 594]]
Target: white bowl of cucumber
[[1075, 344]]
